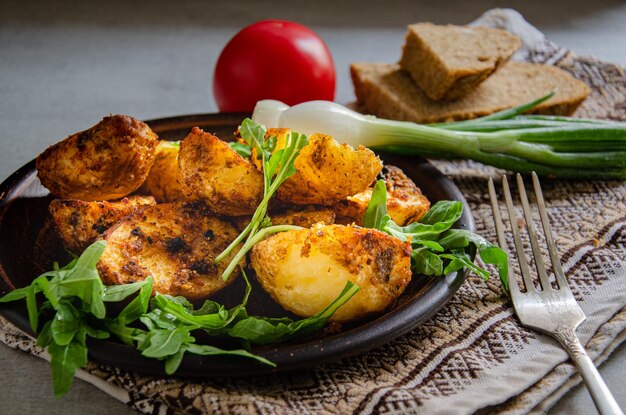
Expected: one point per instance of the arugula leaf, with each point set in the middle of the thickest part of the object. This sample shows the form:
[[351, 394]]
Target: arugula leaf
[[459, 261], [133, 311], [206, 350], [182, 314], [65, 360], [65, 323], [244, 150], [170, 322], [488, 252], [253, 134], [376, 211], [31, 306], [444, 211], [76, 295], [426, 262], [430, 226], [83, 280], [260, 330], [115, 293], [172, 363], [139, 305], [437, 249], [162, 343], [45, 335], [211, 317], [16, 294]]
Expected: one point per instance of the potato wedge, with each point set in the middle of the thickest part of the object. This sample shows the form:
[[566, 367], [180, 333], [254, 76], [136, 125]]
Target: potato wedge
[[175, 243], [108, 161], [304, 218], [327, 172], [299, 217], [213, 172], [405, 201], [305, 270], [80, 223], [164, 181]]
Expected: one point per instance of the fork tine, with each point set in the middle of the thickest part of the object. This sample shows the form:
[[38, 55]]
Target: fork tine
[[512, 282], [554, 256], [519, 247], [534, 243]]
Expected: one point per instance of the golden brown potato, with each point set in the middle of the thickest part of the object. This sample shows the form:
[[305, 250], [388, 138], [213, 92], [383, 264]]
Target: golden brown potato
[[164, 181], [175, 243], [405, 201], [305, 270], [80, 223], [107, 161], [304, 218], [213, 172], [327, 172]]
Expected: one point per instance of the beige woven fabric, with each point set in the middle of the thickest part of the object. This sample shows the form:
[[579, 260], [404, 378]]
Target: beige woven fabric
[[473, 356]]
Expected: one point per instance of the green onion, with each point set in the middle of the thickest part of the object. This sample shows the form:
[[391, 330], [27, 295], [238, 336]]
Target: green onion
[[549, 145]]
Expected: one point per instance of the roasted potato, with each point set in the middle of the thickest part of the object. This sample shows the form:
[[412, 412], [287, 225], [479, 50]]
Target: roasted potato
[[304, 218], [108, 161], [80, 223], [327, 172], [213, 172], [405, 201], [305, 270], [175, 243], [164, 181]]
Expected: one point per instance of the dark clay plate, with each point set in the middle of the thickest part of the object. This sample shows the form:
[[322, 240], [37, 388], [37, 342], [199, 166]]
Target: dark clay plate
[[28, 246]]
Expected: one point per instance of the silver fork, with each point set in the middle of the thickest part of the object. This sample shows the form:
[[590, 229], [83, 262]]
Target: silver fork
[[553, 311]]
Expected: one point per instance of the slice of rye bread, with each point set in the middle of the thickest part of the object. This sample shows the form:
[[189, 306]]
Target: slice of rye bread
[[449, 61], [387, 91]]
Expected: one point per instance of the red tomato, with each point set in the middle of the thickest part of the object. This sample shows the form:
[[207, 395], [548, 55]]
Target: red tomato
[[273, 59]]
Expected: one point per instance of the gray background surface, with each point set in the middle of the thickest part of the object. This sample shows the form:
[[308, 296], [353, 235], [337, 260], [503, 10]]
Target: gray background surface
[[63, 66]]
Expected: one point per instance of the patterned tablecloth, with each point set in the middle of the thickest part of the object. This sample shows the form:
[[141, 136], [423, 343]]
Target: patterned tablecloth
[[473, 356]]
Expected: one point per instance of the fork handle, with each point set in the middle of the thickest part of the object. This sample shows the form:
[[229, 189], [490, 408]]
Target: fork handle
[[602, 397]]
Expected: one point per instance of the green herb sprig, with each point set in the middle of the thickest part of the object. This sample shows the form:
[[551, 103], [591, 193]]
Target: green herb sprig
[[278, 166], [161, 328], [437, 248], [75, 296]]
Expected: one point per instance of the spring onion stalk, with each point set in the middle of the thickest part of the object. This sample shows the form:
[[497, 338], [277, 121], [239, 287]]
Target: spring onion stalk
[[551, 146]]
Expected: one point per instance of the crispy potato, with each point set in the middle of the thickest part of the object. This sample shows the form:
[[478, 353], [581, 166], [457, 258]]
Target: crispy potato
[[213, 172], [304, 218], [405, 201], [164, 181], [327, 172], [175, 243], [107, 161], [305, 270], [80, 223], [299, 217]]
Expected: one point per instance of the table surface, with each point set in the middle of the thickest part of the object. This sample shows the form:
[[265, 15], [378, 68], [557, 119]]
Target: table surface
[[67, 64]]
